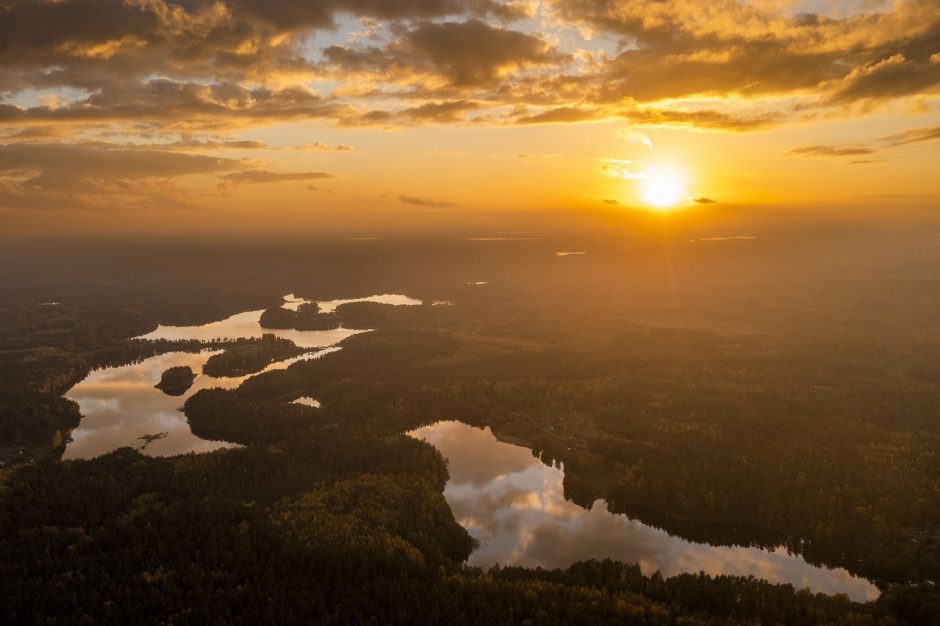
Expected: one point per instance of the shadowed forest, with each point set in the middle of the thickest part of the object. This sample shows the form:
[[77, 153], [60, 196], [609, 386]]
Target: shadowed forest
[[780, 391]]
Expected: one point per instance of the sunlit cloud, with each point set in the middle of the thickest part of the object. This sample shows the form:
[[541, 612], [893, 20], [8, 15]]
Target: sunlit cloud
[[831, 151], [208, 76], [621, 168], [322, 147], [632, 136]]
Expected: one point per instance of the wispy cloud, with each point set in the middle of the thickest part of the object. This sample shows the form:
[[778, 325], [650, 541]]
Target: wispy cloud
[[322, 147], [831, 151], [441, 204], [253, 177], [99, 176], [916, 135], [621, 168], [632, 136], [528, 156]]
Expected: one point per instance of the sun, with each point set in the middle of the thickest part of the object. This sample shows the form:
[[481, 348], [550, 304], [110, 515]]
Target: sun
[[662, 188]]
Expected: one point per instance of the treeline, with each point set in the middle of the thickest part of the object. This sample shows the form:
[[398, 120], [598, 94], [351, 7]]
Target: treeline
[[222, 414], [306, 317], [219, 537]]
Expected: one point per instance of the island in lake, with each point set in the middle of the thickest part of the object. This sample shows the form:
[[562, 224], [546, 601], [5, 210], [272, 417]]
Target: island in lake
[[176, 380]]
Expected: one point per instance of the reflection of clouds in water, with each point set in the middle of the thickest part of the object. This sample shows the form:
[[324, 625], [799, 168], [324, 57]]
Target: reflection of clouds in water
[[470, 459], [120, 405], [88, 405], [514, 506], [328, 306], [292, 302], [244, 325]]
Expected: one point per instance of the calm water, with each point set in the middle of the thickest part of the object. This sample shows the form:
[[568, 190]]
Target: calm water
[[120, 406], [510, 501], [307, 401], [513, 504]]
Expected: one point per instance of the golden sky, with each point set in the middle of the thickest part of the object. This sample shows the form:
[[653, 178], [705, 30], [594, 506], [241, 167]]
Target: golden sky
[[248, 113]]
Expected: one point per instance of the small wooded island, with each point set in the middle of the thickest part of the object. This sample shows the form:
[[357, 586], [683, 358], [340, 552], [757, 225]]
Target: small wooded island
[[306, 317], [176, 380], [250, 356]]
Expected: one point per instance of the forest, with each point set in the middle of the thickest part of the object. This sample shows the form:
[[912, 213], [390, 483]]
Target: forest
[[719, 420], [248, 356]]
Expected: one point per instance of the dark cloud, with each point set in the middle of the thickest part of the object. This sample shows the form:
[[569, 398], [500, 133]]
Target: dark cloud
[[718, 120], [227, 144], [96, 175], [63, 166], [892, 77], [201, 66], [465, 54], [429, 112], [559, 115], [207, 144], [475, 53], [704, 200], [654, 74], [173, 105], [449, 111], [427, 202], [85, 43]]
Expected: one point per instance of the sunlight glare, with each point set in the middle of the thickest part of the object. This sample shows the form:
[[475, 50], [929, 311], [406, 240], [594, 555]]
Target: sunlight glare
[[662, 188]]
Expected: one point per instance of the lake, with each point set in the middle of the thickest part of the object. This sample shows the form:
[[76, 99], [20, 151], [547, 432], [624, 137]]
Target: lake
[[120, 406], [510, 501], [514, 506]]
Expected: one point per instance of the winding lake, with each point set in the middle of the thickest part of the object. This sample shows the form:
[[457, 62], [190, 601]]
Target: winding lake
[[514, 505], [511, 502], [120, 406]]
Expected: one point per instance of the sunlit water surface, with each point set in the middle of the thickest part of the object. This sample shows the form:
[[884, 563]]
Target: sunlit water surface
[[514, 505], [121, 407], [511, 502]]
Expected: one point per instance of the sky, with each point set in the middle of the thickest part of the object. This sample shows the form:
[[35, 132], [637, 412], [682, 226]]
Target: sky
[[151, 115]]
